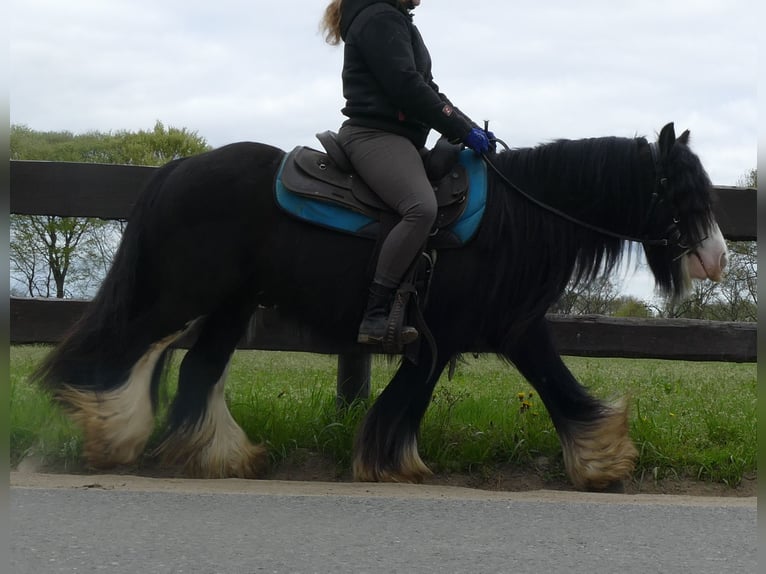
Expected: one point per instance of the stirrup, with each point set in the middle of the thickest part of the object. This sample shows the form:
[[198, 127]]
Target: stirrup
[[398, 335], [406, 336]]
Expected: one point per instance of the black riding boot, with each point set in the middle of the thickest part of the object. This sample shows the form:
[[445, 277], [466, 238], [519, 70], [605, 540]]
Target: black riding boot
[[374, 326]]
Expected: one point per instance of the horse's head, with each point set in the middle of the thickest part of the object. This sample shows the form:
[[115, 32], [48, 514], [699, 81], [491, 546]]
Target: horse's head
[[682, 211]]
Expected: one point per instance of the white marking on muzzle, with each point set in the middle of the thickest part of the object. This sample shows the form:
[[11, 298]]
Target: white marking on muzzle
[[709, 260]]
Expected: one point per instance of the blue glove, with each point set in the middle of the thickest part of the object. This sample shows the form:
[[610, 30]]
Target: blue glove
[[477, 140]]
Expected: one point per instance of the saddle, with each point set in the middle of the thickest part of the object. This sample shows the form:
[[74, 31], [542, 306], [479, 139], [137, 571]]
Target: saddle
[[329, 177], [323, 189]]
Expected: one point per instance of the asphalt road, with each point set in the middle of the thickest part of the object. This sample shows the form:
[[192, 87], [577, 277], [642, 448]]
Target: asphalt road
[[126, 525]]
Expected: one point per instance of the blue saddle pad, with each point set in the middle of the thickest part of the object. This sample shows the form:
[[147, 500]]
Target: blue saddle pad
[[333, 216]]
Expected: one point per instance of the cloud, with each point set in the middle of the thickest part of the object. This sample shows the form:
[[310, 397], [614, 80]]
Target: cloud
[[233, 70]]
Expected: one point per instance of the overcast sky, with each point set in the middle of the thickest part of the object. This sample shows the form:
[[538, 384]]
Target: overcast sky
[[235, 70]]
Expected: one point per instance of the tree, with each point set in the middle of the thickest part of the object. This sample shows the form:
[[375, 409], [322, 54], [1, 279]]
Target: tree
[[43, 249], [750, 179], [738, 292], [631, 307], [599, 296], [694, 306], [153, 147], [68, 256]]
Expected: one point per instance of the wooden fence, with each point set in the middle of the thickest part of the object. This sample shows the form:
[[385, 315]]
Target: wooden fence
[[109, 192]]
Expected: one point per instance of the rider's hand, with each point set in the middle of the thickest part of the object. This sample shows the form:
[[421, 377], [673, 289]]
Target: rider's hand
[[477, 140]]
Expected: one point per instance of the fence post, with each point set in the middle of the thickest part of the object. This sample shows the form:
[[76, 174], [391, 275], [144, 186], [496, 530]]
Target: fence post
[[353, 377]]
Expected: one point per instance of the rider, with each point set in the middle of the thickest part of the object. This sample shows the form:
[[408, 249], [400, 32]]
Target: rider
[[392, 103]]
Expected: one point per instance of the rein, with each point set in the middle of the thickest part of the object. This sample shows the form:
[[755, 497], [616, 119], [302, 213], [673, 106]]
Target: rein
[[661, 182]]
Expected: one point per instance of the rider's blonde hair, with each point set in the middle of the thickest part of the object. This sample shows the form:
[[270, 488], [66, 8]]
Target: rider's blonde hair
[[330, 23]]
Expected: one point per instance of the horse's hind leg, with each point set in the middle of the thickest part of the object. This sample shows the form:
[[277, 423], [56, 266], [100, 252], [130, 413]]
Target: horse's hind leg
[[118, 420], [203, 438], [594, 436]]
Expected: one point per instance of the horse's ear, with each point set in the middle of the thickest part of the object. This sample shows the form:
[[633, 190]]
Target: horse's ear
[[684, 138], [667, 138]]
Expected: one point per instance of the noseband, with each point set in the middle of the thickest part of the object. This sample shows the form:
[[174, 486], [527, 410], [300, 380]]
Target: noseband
[[660, 194]]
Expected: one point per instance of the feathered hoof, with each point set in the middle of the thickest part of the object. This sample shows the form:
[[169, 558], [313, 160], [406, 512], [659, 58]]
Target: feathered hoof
[[411, 469], [118, 422], [218, 455], [115, 426], [599, 455]]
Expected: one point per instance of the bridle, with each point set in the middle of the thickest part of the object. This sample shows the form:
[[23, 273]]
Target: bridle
[[660, 194]]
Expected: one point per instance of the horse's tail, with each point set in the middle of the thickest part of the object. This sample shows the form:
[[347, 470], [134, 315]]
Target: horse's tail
[[99, 351]]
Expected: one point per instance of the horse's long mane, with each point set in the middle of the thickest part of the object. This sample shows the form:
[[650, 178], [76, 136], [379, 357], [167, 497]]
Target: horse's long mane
[[602, 181]]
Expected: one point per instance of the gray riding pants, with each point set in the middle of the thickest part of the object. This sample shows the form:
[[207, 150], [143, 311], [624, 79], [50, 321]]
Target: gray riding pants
[[393, 168]]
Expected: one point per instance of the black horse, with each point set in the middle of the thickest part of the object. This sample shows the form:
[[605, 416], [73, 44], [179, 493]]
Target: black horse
[[206, 244]]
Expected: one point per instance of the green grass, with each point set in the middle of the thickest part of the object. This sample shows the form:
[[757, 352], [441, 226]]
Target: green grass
[[688, 420], [37, 426]]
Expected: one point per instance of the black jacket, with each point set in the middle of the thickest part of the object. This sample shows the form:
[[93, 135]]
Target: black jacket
[[387, 79]]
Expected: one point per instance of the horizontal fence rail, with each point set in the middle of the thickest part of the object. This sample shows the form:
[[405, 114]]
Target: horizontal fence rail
[[110, 191], [47, 320]]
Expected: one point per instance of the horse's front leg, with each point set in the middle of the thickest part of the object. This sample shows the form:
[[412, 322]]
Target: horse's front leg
[[594, 436], [386, 446]]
